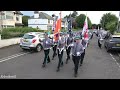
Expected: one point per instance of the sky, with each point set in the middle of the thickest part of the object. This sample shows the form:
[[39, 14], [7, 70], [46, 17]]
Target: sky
[[94, 16]]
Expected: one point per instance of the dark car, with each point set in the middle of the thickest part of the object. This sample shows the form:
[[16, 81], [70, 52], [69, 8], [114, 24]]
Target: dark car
[[112, 43]]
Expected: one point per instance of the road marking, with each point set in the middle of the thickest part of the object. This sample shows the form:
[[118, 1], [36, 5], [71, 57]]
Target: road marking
[[118, 54], [12, 56], [114, 60]]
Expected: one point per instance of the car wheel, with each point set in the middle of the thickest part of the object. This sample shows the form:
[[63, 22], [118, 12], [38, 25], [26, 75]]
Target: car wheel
[[38, 48]]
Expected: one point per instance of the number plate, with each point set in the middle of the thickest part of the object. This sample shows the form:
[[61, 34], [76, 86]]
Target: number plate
[[117, 44], [25, 41]]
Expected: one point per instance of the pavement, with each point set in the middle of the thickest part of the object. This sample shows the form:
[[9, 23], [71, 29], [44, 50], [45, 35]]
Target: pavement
[[98, 64]]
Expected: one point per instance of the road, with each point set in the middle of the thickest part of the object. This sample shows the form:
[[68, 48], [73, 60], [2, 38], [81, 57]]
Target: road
[[98, 64]]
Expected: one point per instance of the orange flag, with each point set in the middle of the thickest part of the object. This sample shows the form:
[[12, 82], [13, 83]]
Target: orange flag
[[57, 28]]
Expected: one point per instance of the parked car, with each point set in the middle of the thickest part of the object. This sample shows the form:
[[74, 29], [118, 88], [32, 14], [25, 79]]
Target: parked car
[[112, 43], [32, 41]]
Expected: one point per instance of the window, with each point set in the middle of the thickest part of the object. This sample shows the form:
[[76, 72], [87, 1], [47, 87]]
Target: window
[[9, 17], [17, 18], [27, 36]]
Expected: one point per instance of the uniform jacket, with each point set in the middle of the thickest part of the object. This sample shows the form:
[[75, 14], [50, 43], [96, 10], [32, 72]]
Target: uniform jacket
[[47, 43], [77, 48]]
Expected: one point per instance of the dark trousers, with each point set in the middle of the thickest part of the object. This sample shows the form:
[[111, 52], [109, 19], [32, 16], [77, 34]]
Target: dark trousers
[[54, 51], [46, 58], [99, 44], [76, 60], [60, 56], [68, 52], [82, 57]]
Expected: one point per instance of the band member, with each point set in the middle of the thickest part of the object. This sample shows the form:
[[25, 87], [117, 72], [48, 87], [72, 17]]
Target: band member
[[68, 42], [77, 50], [60, 49], [46, 46], [83, 42], [54, 48], [100, 39]]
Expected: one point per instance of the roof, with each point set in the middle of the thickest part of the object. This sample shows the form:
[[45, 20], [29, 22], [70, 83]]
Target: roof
[[34, 33], [18, 12], [43, 16]]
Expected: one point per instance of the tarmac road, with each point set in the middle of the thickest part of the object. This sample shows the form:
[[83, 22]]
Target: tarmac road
[[98, 64]]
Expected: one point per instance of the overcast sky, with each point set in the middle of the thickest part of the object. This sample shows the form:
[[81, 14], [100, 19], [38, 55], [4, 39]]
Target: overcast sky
[[94, 16]]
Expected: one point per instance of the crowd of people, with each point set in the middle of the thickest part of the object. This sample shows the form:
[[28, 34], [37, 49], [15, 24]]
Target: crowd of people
[[75, 46]]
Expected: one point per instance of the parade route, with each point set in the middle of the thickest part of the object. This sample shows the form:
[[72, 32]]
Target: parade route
[[98, 64]]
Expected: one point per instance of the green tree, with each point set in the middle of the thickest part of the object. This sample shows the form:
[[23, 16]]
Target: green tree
[[111, 26], [81, 19], [108, 18], [25, 20], [74, 14]]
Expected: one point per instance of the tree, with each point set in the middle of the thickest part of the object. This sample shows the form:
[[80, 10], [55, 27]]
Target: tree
[[81, 19], [25, 20], [74, 14], [111, 26], [108, 18]]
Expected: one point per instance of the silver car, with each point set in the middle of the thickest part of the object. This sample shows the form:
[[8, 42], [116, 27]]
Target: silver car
[[32, 41]]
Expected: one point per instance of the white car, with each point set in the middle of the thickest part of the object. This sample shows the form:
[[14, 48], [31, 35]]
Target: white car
[[32, 40]]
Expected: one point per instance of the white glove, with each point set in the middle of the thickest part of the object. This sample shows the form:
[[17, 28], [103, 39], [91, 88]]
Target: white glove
[[72, 45], [46, 42], [78, 53]]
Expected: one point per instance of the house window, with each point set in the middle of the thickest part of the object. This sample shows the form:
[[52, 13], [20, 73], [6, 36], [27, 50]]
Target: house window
[[9, 17], [17, 18]]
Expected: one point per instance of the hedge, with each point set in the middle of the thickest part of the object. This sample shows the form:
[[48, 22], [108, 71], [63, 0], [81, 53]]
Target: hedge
[[8, 33]]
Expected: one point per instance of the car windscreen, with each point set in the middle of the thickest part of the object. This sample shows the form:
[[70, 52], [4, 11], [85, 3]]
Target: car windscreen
[[116, 38], [27, 36]]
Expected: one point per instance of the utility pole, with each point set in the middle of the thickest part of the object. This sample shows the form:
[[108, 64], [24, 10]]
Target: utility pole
[[118, 23], [1, 13], [69, 24]]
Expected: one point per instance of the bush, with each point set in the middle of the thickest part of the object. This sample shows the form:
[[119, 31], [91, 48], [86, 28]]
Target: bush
[[17, 32]]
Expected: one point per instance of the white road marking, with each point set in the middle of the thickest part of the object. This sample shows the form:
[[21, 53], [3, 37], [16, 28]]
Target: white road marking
[[118, 54], [114, 60], [12, 56]]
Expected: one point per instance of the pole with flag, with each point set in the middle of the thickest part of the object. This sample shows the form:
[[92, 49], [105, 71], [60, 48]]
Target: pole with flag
[[57, 27], [85, 29]]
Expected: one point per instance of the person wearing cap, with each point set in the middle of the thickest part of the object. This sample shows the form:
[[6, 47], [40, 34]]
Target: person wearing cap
[[46, 46], [68, 42], [60, 50], [83, 42], [77, 50]]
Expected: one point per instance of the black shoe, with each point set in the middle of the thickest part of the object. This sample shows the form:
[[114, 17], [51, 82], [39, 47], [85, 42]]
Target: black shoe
[[43, 65], [80, 64], [57, 70], [52, 58], [61, 64], [48, 62], [66, 61], [75, 75]]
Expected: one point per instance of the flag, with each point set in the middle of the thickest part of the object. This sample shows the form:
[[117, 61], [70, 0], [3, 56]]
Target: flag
[[57, 27], [85, 29]]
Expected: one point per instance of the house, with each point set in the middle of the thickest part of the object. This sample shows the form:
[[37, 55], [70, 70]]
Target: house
[[64, 23], [10, 19], [40, 20]]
